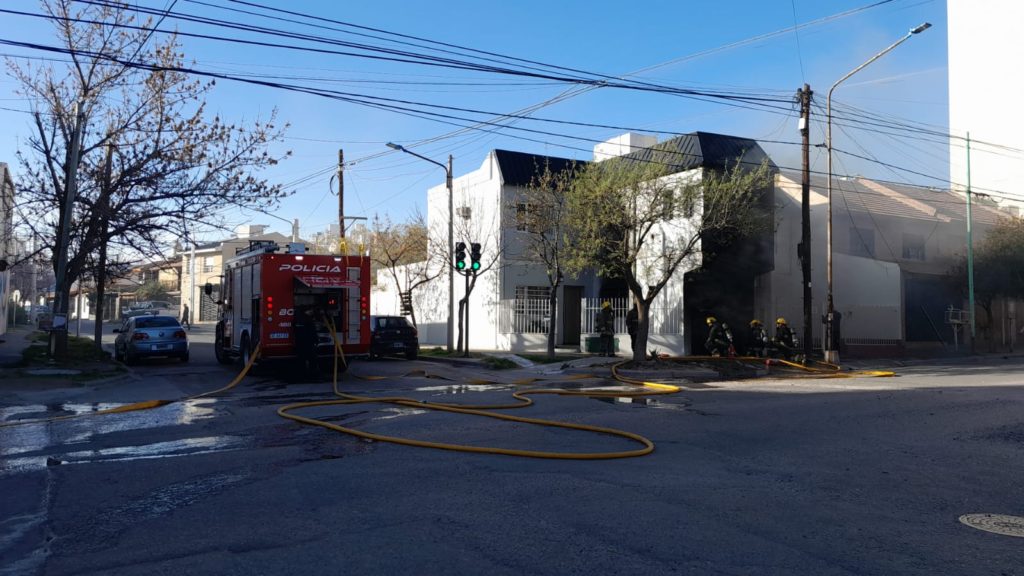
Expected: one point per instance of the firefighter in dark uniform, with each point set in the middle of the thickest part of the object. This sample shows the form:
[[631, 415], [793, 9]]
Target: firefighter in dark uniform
[[632, 324], [758, 343], [606, 327], [785, 339], [306, 340], [719, 342]]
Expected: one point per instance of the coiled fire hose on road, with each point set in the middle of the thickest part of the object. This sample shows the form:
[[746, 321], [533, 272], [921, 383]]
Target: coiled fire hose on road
[[482, 410]]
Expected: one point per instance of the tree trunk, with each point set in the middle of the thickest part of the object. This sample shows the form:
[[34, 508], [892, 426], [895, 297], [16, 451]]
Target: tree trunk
[[101, 280], [553, 315], [643, 309]]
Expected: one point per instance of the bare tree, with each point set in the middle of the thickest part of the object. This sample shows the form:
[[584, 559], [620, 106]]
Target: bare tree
[[401, 249], [475, 223], [542, 219], [641, 221], [152, 161]]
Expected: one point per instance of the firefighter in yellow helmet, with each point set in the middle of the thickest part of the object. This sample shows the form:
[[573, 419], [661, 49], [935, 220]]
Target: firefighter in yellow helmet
[[785, 339], [606, 328], [719, 342], [758, 339]]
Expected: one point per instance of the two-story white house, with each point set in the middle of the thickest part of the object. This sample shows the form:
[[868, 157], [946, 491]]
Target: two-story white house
[[508, 305]]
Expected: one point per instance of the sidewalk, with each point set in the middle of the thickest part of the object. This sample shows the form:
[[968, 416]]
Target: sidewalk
[[13, 343]]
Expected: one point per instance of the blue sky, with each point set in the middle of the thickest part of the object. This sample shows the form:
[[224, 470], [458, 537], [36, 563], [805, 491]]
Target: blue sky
[[706, 45]]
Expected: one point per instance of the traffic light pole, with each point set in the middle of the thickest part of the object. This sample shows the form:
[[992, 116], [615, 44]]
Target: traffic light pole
[[465, 329]]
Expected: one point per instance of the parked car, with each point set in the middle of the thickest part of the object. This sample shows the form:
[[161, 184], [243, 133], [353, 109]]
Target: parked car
[[149, 336], [393, 335], [149, 308]]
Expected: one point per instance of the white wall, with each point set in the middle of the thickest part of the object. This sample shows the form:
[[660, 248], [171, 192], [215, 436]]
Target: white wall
[[985, 49]]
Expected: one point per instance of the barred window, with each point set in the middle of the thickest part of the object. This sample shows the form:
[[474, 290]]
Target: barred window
[[531, 309]]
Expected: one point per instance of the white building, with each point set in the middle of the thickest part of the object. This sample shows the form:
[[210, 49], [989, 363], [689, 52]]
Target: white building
[[893, 248], [985, 43], [508, 305]]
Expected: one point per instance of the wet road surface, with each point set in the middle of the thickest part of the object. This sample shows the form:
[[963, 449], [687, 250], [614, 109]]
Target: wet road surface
[[753, 477]]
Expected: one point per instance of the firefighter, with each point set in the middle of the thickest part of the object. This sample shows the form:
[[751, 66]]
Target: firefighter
[[306, 340], [758, 345], [785, 339], [606, 327], [632, 323], [719, 342]]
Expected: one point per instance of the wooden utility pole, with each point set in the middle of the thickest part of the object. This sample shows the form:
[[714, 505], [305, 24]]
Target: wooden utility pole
[[341, 195], [805, 214]]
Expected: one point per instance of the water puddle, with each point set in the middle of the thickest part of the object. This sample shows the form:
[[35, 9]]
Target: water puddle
[[464, 388], [16, 440], [169, 449], [644, 401]]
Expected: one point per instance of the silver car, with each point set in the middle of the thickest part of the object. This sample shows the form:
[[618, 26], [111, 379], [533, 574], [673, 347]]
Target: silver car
[[148, 336]]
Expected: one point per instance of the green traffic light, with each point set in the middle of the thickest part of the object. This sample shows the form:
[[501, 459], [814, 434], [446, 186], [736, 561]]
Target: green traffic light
[[460, 265], [476, 265]]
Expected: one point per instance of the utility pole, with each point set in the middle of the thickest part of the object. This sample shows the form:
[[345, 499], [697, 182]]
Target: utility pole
[[970, 246], [341, 195], [805, 213], [59, 342]]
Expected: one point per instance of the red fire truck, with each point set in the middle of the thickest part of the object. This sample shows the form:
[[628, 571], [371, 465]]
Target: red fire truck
[[263, 292]]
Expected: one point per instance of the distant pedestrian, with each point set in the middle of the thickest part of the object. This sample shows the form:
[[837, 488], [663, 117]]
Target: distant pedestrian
[[185, 317], [606, 328], [632, 323]]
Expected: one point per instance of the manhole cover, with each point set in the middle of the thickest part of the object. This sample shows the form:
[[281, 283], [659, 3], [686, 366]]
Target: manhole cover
[[998, 523]]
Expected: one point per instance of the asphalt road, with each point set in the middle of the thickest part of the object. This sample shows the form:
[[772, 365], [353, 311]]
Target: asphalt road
[[823, 477]]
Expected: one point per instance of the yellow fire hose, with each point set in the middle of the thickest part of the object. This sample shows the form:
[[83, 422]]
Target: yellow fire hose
[[146, 405], [481, 410], [522, 400]]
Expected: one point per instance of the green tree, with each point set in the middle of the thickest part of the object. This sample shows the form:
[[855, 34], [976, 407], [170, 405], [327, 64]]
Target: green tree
[[542, 219], [641, 220], [998, 266]]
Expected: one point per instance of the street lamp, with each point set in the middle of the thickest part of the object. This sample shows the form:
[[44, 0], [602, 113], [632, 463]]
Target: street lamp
[[831, 354], [451, 239]]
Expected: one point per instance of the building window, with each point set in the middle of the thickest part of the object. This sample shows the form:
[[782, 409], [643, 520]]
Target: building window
[[528, 218], [913, 246], [207, 264], [531, 309], [862, 242]]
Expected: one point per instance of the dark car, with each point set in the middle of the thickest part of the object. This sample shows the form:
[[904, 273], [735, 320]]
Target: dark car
[[393, 335], [148, 336]]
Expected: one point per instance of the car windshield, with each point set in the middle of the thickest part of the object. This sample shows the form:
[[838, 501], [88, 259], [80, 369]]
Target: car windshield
[[156, 322], [392, 322]]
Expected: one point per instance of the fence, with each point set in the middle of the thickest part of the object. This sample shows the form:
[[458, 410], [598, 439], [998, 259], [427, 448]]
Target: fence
[[531, 316]]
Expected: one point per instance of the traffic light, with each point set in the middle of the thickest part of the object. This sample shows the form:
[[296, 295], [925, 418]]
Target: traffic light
[[474, 255], [460, 256]]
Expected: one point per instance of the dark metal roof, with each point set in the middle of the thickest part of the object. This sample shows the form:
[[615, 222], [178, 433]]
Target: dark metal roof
[[519, 168], [684, 152], [705, 149]]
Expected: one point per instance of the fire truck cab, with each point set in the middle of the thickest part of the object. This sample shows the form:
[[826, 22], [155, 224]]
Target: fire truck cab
[[263, 292]]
